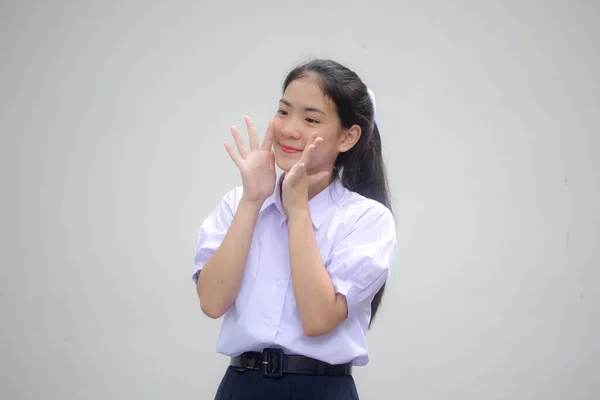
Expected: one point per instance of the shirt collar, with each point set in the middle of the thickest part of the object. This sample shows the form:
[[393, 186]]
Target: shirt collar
[[320, 206]]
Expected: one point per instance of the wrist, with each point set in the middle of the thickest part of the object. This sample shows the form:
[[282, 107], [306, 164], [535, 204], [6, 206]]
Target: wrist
[[299, 213], [250, 206]]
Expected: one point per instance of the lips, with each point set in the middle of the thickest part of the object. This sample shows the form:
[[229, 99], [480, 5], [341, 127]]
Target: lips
[[289, 150]]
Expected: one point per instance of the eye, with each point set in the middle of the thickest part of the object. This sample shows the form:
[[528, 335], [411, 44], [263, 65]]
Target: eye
[[282, 112], [311, 120]]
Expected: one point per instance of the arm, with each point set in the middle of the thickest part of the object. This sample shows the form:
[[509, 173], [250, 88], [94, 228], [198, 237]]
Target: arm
[[329, 292], [225, 239], [321, 309], [219, 282]]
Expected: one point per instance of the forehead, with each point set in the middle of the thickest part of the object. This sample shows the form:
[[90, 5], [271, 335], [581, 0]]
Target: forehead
[[306, 92]]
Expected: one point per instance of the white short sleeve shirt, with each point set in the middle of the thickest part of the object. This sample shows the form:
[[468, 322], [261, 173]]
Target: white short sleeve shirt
[[357, 241]]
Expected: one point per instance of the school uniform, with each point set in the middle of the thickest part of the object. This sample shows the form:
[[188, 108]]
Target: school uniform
[[271, 358]]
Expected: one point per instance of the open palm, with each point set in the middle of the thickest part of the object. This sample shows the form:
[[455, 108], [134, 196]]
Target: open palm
[[256, 164]]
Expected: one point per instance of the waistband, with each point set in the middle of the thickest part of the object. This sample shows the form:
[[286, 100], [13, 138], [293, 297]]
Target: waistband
[[273, 363]]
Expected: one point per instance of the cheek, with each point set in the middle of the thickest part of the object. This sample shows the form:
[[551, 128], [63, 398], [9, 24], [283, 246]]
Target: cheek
[[330, 150], [277, 126], [319, 154]]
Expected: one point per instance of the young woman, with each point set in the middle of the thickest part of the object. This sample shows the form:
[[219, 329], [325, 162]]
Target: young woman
[[297, 264]]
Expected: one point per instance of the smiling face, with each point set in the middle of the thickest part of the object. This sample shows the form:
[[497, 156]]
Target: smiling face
[[304, 110]]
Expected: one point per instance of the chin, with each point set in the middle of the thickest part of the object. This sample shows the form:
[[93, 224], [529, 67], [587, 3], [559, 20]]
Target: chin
[[284, 165], [285, 162]]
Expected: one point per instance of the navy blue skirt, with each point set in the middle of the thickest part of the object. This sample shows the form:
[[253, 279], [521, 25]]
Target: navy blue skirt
[[252, 385]]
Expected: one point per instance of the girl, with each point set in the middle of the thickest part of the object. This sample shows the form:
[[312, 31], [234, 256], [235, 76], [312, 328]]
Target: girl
[[298, 264]]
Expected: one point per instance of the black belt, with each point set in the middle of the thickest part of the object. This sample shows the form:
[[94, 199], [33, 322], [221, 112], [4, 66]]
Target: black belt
[[273, 363]]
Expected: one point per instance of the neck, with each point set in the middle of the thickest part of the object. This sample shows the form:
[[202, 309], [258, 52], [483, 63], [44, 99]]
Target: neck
[[318, 187], [314, 189]]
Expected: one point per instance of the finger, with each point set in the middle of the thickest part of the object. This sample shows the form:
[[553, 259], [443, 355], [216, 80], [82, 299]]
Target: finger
[[313, 137], [307, 153], [268, 141], [305, 158], [234, 157], [317, 139], [294, 174], [239, 142], [252, 134]]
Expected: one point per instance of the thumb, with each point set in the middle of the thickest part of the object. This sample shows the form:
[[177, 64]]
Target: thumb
[[318, 177], [272, 159]]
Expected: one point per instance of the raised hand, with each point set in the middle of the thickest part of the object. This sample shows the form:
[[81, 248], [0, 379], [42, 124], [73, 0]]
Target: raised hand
[[257, 164], [297, 180]]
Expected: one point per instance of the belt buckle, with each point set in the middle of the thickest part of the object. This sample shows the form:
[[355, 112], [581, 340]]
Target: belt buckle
[[272, 363]]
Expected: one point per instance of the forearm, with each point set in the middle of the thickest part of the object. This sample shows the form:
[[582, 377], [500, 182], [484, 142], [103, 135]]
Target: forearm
[[316, 298], [221, 276]]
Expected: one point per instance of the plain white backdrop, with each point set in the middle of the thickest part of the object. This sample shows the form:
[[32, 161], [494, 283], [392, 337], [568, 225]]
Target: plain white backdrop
[[112, 120]]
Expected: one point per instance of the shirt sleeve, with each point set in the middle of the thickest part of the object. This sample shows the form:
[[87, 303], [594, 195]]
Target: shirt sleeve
[[213, 231], [360, 263]]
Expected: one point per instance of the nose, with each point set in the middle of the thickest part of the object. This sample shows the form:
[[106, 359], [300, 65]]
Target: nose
[[290, 131]]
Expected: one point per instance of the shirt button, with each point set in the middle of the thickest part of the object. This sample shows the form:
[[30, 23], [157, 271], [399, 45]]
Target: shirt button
[[279, 285], [272, 323]]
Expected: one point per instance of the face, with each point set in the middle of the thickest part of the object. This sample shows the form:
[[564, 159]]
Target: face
[[304, 110]]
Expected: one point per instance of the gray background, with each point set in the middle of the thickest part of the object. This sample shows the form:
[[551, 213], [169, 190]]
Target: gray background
[[112, 119]]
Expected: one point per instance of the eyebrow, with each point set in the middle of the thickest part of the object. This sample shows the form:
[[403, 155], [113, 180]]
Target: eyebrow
[[308, 109]]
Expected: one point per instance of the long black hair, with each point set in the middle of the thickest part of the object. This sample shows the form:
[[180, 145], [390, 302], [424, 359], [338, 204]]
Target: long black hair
[[360, 169]]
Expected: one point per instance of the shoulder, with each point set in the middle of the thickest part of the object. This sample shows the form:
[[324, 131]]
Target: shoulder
[[357, 212], [226, 208], [231, 199]]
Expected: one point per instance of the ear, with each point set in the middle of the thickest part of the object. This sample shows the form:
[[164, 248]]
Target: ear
[[348, 138]]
